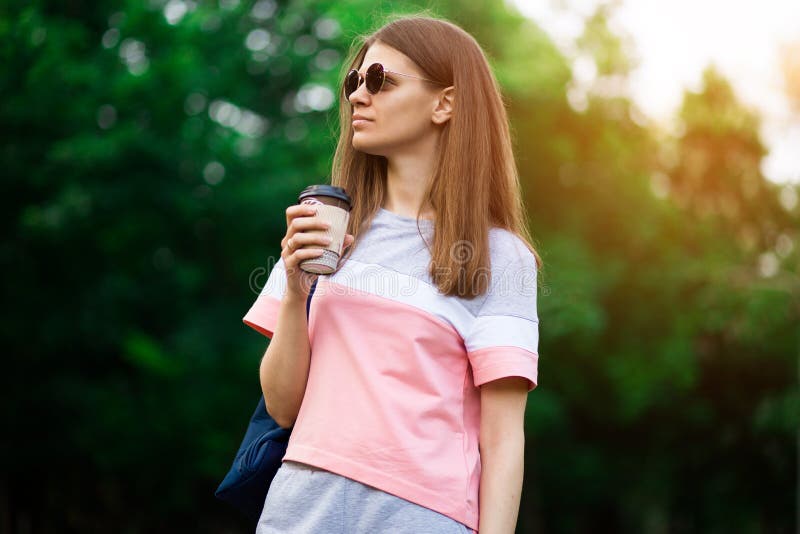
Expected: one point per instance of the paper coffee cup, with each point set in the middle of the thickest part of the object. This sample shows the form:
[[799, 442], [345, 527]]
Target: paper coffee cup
[[333, 205]]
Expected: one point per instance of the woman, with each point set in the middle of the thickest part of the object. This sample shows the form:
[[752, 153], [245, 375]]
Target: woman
[[409, 415]]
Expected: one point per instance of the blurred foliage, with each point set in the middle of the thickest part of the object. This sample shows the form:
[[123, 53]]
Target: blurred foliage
[[150, 149], [790, 67]]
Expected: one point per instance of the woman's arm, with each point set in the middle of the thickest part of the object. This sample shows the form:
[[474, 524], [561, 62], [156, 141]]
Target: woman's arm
[[284, 367], [502, 449]]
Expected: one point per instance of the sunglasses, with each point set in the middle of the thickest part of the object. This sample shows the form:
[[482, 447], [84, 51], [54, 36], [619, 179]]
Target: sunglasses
[[374, 79]]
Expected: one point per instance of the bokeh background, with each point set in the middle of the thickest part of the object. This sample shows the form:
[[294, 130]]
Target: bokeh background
[[149, 150]]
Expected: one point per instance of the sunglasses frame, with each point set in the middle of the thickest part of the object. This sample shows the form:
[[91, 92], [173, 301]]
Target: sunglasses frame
[[382, 72]]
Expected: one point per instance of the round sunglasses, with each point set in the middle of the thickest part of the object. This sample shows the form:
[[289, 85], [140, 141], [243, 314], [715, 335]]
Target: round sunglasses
[[374, 79]]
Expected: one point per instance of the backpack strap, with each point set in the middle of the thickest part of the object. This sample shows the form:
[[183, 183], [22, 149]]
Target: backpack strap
[[310, 293]]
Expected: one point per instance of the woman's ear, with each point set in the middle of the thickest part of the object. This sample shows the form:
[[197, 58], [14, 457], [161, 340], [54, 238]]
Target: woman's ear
[[444, 106]]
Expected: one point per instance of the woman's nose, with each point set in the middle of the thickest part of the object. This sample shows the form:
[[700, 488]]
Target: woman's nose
[[360, 94]]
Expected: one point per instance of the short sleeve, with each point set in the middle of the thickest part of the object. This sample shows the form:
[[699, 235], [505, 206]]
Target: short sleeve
[[503, 339], [263, 314]]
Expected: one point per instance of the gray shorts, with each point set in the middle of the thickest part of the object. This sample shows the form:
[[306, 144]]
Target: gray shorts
[[303, 499]]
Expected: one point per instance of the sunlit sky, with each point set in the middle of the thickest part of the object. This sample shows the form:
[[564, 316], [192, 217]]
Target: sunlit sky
[[674, 40]]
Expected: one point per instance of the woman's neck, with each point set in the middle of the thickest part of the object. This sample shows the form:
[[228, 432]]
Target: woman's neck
[[407, 182]]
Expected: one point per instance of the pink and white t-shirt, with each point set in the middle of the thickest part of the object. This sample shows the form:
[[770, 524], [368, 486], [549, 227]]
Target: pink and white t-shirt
[[393, 397]]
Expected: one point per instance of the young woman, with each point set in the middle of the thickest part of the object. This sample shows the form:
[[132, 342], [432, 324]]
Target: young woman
[[406, 386]]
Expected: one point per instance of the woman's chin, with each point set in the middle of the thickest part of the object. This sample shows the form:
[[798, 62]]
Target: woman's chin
[[367, 148]]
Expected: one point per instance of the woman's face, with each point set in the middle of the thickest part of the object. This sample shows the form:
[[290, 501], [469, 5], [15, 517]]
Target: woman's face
[[399, 117]]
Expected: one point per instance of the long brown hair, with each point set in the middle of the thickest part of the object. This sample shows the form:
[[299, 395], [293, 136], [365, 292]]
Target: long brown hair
[[475, 184]]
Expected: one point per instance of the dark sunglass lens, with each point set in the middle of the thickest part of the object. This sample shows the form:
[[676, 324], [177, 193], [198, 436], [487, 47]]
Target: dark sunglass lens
[[350, 83], [375, 78]]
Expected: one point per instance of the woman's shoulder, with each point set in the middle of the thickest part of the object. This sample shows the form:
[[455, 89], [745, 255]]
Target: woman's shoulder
[[508, 248], [513, 282]]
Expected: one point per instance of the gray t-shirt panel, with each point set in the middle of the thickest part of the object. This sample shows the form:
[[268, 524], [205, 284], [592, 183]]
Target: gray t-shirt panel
[[395, 242]]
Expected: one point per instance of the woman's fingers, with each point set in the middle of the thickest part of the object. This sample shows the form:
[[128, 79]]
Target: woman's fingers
[[302, 242], [302, 239], [299, 210], [293, 257], [305, 253], [301, 219], [303, 228], [307, 223]]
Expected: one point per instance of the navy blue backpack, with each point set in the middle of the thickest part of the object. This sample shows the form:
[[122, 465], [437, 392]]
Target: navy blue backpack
[[258, 459]]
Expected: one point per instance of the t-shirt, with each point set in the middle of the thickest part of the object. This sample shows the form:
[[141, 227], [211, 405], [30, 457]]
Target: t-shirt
[[393, 397]]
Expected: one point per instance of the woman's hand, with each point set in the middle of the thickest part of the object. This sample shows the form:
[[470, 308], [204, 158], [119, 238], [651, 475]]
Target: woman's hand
[[303, 228]]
